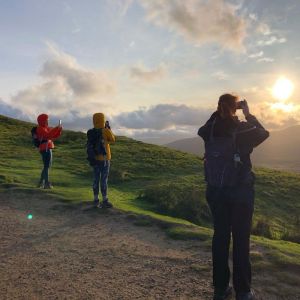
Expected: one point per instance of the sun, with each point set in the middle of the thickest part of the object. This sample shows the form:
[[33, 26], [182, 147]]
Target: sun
[[282, 89]]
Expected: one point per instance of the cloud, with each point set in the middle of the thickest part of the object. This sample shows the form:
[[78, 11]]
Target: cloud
[[7, 110], [263, 29], [220, 75], [67, 89], [162, 116], [271, 41], [266, 59], [199, 21], [141, 73], [277, 115], [256, 55]]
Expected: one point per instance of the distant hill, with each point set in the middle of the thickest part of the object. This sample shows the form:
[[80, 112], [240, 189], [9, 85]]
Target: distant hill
[[281, 150]]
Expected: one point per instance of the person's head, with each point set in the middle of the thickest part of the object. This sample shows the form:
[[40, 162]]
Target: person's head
[[227, 105], [99, 120], [42, 119]]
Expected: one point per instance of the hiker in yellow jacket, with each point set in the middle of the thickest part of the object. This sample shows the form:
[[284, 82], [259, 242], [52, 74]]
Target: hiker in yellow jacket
[[99, 156]]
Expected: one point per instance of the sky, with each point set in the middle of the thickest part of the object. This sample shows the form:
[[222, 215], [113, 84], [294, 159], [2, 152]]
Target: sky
[[155, 68]]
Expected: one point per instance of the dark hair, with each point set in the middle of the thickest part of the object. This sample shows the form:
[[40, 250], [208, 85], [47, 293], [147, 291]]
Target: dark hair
[[227, 105]]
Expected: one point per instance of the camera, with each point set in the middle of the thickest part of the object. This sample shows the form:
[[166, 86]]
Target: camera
[[107, 125], [241, 104]]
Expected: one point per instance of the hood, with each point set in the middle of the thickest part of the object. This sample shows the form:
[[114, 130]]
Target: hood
[[99, 120], [42, 119]]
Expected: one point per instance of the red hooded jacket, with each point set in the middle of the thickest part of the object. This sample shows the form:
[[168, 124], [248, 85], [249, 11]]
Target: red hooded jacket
[[45, 133]]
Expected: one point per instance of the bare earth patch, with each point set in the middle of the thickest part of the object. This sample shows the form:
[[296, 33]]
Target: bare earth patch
[[72, 252]]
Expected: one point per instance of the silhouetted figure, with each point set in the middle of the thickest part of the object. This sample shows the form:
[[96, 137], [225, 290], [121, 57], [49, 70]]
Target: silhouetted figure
[[230, 192]]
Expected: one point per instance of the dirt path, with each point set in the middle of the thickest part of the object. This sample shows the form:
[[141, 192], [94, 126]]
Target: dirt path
[[68, 252]]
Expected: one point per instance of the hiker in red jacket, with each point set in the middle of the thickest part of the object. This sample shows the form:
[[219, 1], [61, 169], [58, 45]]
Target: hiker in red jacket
[[45, 135]]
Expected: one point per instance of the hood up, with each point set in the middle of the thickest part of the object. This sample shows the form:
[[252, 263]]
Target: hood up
[[99, 120], [42, 119]]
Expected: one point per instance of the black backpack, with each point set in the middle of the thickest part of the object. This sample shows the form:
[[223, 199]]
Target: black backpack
[[95, 145], [35, 141], [222, 162]]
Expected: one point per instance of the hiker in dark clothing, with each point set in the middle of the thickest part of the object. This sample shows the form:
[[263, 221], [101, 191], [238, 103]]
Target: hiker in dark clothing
[[230, 192]]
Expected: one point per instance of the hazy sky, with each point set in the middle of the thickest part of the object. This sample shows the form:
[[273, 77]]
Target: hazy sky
[[155, 67]]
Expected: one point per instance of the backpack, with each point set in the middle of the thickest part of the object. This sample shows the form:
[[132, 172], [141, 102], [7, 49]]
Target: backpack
[[222, 162], [35, 141], [95, 145]]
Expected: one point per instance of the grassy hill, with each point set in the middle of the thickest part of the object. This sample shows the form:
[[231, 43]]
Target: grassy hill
[[154, 181]]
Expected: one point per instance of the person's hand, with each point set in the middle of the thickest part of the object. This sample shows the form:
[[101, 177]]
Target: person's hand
[[246, 110]]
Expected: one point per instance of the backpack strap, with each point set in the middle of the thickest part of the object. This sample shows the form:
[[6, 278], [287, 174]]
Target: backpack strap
[[211, 135]]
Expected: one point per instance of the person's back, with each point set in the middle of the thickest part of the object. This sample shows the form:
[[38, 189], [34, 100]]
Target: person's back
[[99, 139], [231, 201]]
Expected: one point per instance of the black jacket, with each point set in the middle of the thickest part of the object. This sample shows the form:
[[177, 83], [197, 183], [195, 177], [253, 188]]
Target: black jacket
[[249, 135]]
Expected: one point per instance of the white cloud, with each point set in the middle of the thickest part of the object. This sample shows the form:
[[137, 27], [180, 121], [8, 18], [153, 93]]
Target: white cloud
[[143, 74], [220, 75], [263, 29], [271, 40], [256, 55], [253, 17], [199, 21], [67, 88], [266, 59], [278, 115]]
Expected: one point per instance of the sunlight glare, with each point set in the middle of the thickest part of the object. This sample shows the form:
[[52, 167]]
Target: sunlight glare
[[289, 107], [282, 89]]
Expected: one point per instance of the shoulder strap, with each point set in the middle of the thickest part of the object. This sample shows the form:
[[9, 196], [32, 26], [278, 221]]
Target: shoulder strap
[[211, 135]]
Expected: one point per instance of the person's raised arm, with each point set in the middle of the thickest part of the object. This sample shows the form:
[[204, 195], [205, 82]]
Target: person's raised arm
[[252, 132]]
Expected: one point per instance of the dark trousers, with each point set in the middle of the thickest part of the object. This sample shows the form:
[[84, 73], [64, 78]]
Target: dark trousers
[[232, 210], [47, 161], [101, 171]]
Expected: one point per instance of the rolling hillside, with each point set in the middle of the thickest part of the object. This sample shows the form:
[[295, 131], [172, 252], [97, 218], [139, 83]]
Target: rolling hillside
[[154, 184], [280, 151]]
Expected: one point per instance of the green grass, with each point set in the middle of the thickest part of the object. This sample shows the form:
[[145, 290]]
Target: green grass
[[151, 181]]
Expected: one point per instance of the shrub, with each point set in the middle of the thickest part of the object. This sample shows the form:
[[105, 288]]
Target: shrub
[[263, 228], [177, 200]]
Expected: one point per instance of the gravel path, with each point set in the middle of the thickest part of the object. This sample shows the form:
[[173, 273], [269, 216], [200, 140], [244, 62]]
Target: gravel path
[[74, 252]]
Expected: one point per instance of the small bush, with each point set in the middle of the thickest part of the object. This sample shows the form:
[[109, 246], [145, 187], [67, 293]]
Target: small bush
[[177, 200], [291, 236], [263, 228]]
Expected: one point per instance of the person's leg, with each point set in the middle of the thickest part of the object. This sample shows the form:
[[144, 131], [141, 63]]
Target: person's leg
[[242, 212], [104, 183], [47, 165], [220, 209], [45, 171], [96, 183], [42, 178]]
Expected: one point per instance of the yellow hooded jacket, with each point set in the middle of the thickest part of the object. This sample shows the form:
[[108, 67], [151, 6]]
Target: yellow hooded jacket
[[108, 136]]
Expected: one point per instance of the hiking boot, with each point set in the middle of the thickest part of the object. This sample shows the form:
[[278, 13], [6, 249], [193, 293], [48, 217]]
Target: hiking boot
[[96, 203], [223, 295], [48, 186], [246, 296], [106, 204]]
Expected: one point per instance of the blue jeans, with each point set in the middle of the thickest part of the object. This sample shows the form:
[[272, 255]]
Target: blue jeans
[[47, 161], [101, 171]]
